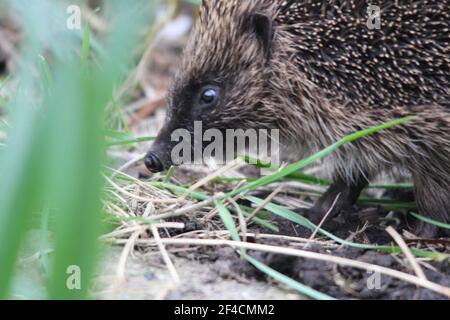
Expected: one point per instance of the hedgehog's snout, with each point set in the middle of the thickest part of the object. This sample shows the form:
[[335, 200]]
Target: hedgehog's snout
[[153, 162], [159, 157]]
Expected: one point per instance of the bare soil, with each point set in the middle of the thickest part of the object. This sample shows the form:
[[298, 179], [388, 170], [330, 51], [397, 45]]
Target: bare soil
[[220, 273]]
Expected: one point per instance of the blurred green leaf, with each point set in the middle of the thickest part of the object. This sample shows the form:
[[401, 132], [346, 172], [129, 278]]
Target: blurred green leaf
[[56, 145]]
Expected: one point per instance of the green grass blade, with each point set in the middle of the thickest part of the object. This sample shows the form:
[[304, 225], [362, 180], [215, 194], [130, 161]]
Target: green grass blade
[[296, 218], [126, 141], [86, 46], [292, 168], [45, 72], [75, 158], [228, 221], [308, 179], [43, 241], [169, 175], [21, 172], [430, 221], [305, 290]]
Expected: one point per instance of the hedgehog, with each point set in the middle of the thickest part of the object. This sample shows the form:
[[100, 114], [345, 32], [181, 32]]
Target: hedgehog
[[317, 71]]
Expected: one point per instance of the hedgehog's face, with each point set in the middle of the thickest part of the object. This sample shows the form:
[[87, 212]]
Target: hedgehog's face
[[221, 84]]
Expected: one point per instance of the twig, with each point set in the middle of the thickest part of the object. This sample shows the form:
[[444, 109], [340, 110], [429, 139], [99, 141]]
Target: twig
[[162, 249], [409, 256], [214, 211], [133, 196], [242, 222], [124, 256], [124, 231], [264, 204], [222, 233], [209, 177], [165, 255], [184, 210], [323, 220]]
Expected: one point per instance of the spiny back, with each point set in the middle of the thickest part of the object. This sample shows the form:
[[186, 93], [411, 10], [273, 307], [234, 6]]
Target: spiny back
[[405, 62]]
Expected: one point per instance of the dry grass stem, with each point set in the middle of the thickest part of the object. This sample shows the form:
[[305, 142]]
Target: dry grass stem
[[408, 254], [313, 235]]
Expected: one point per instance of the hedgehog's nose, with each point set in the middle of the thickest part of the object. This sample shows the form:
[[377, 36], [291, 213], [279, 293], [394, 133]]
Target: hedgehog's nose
[[153, 162]]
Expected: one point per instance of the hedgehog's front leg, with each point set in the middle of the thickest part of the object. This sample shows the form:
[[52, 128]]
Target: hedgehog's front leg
[[340, 196]]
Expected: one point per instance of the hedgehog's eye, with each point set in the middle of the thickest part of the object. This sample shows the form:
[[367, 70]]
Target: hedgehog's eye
[[209, 96]]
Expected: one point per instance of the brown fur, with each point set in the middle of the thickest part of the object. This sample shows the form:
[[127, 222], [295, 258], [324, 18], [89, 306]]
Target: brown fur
[[327, 75]]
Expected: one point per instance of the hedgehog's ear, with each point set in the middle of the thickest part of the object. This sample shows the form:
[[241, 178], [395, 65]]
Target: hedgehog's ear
[[262, 26]]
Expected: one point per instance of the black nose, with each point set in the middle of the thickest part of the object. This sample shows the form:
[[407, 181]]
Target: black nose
[[153, 163]]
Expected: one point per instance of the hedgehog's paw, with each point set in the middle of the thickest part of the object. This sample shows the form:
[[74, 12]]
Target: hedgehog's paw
[[320, 218], [425, 230], [339, 197]]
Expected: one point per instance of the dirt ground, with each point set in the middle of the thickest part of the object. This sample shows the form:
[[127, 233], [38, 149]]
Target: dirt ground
[[210, 274], [220, 273], [200, 279]]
